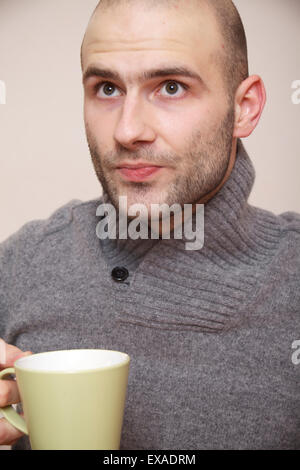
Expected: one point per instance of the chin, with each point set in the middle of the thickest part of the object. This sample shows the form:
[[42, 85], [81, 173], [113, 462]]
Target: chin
[[146, 199]]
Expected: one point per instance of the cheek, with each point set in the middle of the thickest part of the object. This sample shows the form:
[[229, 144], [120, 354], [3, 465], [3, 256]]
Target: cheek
[[91, 116], [176, 131], [199, 117], [100, 128]]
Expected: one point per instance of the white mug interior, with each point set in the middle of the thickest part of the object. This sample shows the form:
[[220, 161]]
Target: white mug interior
[[72, 360]]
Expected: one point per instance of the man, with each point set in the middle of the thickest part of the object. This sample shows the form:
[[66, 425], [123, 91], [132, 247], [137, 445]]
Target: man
[[168, 98]]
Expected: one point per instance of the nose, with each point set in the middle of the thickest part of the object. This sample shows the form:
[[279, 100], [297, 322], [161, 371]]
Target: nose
[[134, 124]]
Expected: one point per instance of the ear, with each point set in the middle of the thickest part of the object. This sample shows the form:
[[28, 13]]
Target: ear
[[250, 100]]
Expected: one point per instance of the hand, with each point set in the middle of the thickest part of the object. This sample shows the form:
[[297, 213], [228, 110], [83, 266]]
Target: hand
[[9, 393]]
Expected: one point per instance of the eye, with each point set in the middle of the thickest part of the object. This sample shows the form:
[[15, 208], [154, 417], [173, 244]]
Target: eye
[[108, 90], [172, 88]]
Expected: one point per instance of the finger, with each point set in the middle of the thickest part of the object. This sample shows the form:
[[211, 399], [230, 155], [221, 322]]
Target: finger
[[9, 354], [2, 351], [9, 435], [9, 393]]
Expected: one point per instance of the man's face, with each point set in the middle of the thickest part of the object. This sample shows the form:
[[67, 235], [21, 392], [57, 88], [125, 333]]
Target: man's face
[[166, 138]]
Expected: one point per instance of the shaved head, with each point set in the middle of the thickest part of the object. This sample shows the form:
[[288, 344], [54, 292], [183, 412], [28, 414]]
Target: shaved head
[[232, 59]]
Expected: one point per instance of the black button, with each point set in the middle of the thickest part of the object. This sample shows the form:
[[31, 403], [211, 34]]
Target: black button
[[119, 274]]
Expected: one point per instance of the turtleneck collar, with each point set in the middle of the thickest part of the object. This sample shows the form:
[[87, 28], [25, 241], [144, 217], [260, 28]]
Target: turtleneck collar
[[233, 196], [227, 214]]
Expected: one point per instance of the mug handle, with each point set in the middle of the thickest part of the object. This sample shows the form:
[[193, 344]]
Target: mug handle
[[9, 412]]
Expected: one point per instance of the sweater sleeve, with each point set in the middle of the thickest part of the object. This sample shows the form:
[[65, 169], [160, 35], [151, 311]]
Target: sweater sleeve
[[17, 252], [7, 256]]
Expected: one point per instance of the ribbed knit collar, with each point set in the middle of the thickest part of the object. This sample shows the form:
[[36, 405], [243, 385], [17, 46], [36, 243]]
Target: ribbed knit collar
[[226, 214], [227, 206], [249, 233]]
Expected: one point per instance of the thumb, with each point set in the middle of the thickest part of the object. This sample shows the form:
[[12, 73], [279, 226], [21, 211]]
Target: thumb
[[9, 353], [21, 354]]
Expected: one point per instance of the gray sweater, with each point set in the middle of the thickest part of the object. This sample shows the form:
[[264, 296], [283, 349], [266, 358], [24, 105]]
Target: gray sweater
[[209, 332]]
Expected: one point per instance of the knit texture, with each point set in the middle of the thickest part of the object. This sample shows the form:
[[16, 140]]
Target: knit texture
[[209, 332]]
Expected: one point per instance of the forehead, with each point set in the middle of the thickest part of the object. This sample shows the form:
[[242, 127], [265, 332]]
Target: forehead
[[132, 37]]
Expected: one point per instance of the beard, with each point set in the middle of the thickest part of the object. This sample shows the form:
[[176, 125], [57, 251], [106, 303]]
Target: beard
[[199, 169]]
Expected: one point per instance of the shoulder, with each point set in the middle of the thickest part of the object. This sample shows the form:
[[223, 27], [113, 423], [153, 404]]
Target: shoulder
[[290, 222], [289, 247], [36, 229], [25, 241], [290, 233]]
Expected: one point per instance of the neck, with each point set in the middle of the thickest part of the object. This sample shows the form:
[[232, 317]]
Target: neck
[[207, 197]]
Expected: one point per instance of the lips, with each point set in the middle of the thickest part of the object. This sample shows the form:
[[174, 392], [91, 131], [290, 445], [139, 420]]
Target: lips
[[138, 172]]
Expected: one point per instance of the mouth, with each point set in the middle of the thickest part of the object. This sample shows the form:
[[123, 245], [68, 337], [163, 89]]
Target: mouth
[[138, 172]]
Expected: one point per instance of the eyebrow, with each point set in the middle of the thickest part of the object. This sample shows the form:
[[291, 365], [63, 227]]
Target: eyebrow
[[95, 71]]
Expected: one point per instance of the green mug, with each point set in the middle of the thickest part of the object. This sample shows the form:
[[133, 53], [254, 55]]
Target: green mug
[[72, 399]]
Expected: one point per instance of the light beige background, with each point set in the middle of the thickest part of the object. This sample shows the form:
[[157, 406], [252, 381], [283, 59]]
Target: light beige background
[[44, 157]]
